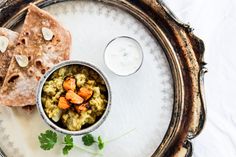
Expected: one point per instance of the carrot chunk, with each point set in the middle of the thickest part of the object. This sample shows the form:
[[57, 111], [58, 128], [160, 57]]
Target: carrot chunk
[[72, 97], [85, 93], [69, 84], [63, 103], [81, 107]]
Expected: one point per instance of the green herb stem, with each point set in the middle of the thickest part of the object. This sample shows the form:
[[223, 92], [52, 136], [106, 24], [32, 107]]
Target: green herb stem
[[89, 151], [118, 137]]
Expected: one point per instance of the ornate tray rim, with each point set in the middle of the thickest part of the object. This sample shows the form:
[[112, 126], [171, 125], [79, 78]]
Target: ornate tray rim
[[184, 52]]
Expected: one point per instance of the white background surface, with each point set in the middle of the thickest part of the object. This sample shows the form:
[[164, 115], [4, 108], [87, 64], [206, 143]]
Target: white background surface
[[214, 21]]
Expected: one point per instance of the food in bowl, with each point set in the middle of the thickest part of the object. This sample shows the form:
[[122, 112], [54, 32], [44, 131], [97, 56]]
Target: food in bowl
[[74, 97]]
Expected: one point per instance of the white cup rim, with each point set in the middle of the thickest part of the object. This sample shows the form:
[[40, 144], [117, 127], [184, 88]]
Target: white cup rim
[[141, 53]]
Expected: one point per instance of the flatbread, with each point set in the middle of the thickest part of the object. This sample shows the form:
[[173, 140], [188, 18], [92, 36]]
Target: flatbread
[[19, 87], [5, 57]]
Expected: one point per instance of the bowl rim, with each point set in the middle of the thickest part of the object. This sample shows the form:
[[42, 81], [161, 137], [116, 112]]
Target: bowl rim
[[141, 53], [41, 108]]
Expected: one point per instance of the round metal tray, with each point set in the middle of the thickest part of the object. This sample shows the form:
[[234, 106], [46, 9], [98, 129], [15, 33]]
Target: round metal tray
[[182, 50]]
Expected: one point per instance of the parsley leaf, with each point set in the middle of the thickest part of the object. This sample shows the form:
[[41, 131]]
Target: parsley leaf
[[66, 149], [47, 140], [88, 139], [68, 141], [100, 143]]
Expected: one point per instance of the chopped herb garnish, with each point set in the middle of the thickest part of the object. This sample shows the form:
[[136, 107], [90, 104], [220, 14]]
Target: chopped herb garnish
[[88, 139], [100, 143], [68, 141], [47, 140]]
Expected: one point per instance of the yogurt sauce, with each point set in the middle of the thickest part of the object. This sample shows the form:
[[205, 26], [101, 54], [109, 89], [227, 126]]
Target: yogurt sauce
[[123, 56]]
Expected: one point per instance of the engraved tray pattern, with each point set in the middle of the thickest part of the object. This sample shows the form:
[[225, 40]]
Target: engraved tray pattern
[[94, 23]]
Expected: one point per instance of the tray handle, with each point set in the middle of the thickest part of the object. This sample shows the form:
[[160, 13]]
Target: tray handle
[[199, 117], [196, 128], [185, 150], [198, 121]]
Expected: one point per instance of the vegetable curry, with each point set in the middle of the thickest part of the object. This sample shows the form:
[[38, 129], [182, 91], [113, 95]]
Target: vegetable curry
[[75, 97]]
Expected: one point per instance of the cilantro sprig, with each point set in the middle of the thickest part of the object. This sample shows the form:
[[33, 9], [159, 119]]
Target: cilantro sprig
[[49, 139], [88, 140], [100, 143], [68, 141]]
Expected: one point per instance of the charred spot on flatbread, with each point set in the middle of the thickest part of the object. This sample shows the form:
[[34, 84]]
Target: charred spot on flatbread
[[13, 78]]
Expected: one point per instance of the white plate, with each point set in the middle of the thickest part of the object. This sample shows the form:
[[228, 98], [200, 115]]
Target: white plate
[[142, 101]]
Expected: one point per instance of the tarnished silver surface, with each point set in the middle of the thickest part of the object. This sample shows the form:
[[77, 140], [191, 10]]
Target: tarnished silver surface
[[185, 55]]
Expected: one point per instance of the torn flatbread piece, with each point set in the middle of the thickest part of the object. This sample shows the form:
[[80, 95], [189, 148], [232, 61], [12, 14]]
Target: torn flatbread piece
[[5, 56], [40, 53]]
